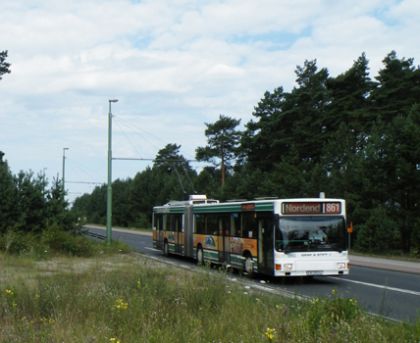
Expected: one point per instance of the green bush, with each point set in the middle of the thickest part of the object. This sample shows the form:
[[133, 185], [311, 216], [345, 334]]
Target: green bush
[[379, 233], [330, 313], [60, 241], [16, 242], [55, 241]]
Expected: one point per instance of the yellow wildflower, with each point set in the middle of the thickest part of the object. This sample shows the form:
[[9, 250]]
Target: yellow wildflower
[[114, 340], [46, 320], [120, 304], [270, 334], [9, 292]]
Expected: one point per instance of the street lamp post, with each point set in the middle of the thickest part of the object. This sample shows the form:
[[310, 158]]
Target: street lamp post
[[64, 171], [109, 188]]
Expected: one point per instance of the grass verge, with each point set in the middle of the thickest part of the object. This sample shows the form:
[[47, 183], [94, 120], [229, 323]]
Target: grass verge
[[127, 298], [55, 242]]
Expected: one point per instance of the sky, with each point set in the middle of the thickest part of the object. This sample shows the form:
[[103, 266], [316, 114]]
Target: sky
[[174, 65]]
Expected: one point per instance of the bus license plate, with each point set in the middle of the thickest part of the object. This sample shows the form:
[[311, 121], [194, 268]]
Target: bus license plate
[[314, 272]]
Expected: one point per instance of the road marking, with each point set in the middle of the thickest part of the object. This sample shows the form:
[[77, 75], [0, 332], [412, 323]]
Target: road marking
[[281, 291], [407, 291], [152, 249]]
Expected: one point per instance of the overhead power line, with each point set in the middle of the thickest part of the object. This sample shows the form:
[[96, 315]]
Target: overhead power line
[[154, 160], [86, 182]]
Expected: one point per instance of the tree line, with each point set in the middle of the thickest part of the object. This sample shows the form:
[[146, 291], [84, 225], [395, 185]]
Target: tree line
[[350, 136], [29, 204]]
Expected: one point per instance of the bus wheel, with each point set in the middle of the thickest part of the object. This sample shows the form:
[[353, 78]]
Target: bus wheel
[[200, 256], [165, 249], [249, 265]]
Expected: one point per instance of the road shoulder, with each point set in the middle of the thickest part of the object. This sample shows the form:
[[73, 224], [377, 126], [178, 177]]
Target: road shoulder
[[384, 263], [120, 229]]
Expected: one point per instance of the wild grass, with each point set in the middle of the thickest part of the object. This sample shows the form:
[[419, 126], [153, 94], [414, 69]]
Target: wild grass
[[55, 242], [127, 298]]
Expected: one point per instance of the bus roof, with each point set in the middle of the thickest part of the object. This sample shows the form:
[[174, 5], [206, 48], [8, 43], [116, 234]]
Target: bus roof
[[247, 205]]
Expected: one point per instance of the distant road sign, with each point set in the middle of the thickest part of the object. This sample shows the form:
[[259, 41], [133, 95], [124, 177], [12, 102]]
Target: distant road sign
[[350, 228]]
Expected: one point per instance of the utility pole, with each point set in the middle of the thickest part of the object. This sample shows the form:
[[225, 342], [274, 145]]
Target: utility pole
[[64, 171], [109, 188]]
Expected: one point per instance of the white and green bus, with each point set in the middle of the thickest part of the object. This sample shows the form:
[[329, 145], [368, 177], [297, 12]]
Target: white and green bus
[[279, 237]]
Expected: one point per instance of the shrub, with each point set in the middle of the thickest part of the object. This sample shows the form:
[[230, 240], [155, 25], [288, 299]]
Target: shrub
[[16, 242], [60, 241], [54, 241], [379, 233], [329, 313]]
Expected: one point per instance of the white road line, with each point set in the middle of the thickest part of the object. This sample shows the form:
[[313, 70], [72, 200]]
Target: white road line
[[152, 249], [407, 291]]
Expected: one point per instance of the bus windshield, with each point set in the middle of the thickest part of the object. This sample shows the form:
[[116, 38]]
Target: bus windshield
[[295, 234]]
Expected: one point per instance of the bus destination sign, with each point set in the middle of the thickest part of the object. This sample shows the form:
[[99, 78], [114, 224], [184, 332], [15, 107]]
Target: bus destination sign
[[248, 207], [311, 208]]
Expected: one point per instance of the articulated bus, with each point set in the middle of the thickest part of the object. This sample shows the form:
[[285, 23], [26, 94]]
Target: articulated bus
[[279, 237]]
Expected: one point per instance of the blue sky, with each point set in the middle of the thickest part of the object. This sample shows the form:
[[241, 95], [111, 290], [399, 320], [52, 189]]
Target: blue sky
[[173, 65]]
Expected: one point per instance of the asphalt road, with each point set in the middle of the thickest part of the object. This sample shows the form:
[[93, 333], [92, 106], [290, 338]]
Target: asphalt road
[[388, 293]]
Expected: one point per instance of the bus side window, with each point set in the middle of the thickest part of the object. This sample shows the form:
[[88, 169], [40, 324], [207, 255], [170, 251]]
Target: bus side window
[[164, 222], [235, 225], [159, 222], [180, 227], [155, 221], [200, 224], [171, 222], [212, 224], [224, 222], [249, 225], [182, 223]]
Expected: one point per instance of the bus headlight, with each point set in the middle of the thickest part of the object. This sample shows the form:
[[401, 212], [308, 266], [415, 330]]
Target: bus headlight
[[288, 266], [341, 265]]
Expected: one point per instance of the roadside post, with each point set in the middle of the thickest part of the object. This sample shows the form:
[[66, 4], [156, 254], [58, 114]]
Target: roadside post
[[349, 232]]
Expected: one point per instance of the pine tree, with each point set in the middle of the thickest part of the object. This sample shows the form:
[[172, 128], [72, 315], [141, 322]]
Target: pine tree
[[223, 140], [398, 88], [267, 138], [4, 66], [8, 205]]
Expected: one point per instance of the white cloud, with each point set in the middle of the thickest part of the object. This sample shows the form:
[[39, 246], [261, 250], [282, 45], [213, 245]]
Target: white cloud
[[173, 64]]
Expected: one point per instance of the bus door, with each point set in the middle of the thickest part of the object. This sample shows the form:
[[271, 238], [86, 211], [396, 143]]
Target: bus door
[[179, 242], [188, 232], [266, 242], [224, 236], [159, 228], [173, 229]]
